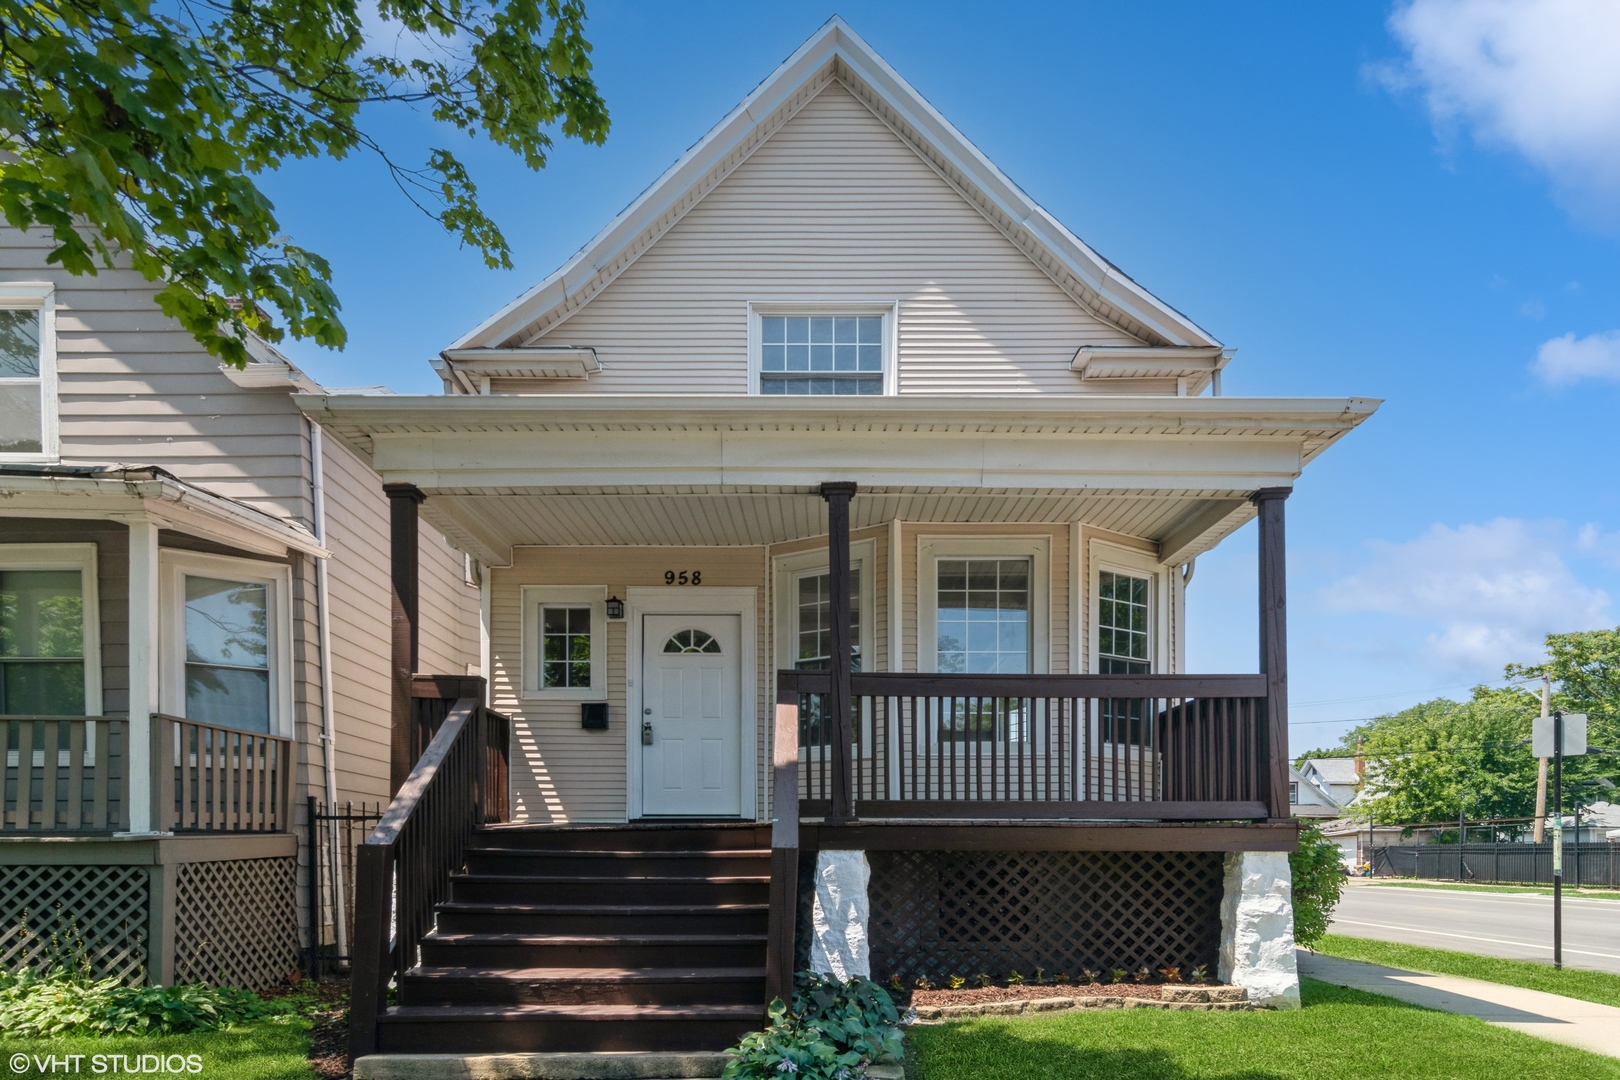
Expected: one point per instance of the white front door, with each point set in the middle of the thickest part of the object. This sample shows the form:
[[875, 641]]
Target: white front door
[[691, 753]]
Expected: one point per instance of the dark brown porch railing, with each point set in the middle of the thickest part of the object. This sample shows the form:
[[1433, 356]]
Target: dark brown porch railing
[[403, 869], [1109, 747]]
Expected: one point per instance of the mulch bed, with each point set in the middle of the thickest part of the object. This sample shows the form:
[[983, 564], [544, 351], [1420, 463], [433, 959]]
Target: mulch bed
[[974, 995], [329, 1025]]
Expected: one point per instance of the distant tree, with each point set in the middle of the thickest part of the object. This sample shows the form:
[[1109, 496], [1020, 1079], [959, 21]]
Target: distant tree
[[1585, 670], [135, 131], [1430, 761]]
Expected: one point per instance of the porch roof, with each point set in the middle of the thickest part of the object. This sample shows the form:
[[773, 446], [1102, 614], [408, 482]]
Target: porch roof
[[597, 469]]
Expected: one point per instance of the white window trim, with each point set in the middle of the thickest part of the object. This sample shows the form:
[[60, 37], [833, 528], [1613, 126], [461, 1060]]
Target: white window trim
[[39, 296], [1123, 560], [888, 309], [788, 569], [535, 597], [173, 566], [80, 557], [742, 601], [1038, 549]]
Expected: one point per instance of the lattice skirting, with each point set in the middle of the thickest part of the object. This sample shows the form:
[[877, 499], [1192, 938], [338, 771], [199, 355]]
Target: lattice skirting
[[59, 913], [941, 913], [236, 922]]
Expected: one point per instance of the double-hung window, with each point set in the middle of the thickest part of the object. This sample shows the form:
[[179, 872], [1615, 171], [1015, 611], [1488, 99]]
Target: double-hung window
[[1124, 647], [826, 350], [27, 373], [804, 625], [984, 611], [48, 657], [227, 641]]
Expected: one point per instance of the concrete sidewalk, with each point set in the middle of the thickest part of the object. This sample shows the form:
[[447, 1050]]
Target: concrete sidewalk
[[1546, 1016]]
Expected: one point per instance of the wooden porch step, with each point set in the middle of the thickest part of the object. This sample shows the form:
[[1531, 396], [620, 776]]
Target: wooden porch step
[[495, 1028], [642, 836], [463, 917], [586, 888], [603, 950], [583, 986], [609, 863]]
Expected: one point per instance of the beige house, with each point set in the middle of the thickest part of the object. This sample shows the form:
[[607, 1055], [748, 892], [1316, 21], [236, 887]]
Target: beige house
[[835, 501], [194, 633]]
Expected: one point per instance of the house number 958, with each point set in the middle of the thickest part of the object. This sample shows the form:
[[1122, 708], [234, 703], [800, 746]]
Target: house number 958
[[683, 577]]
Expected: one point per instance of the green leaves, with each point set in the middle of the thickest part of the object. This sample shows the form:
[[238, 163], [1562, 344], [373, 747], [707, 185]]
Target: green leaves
[[835, 1030], [136, 135], [34, 1006], [1318, 878]]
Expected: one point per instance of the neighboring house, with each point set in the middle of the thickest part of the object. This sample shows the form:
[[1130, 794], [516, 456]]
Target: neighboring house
[[835, 500], [1338, 778], [168, 663], [1309, 799]]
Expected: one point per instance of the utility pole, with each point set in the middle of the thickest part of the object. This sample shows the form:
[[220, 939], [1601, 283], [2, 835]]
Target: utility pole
[[1541, 765], [1558, 839]]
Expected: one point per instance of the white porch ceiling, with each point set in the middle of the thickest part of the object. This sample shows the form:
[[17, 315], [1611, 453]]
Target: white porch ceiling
[[491, 523]]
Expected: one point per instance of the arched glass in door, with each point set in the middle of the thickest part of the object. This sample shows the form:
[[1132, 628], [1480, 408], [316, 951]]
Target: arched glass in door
[[691, 641]]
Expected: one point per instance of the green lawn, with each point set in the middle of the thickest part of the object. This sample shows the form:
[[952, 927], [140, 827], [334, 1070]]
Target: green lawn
[[263, 1051], [1511, 890], [1598, 986], [1339, 1035]]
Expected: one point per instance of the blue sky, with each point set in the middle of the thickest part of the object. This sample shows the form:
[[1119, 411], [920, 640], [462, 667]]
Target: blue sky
[[1352, 196]]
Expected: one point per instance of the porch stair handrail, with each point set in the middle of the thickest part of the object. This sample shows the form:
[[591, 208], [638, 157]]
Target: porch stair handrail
[[403, 869]]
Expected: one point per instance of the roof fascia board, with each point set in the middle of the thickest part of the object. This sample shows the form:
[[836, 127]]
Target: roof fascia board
[[177, 504], [836, 50]]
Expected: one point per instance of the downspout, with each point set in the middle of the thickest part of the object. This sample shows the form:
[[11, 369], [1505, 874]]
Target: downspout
[[340, 927]]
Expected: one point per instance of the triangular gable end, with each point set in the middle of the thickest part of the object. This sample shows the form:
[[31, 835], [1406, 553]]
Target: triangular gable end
[[835, 52]]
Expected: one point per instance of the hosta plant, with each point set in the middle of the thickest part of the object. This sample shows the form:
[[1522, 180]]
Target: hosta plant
[[833, 1032]]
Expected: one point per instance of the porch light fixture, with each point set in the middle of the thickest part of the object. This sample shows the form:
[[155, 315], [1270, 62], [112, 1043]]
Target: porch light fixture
[[615, 608]]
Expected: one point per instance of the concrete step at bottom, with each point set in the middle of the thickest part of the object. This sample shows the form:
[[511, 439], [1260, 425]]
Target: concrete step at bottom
[[482, 1029]]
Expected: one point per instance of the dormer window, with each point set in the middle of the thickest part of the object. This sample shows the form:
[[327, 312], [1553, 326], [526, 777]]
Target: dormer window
[[829, 349]]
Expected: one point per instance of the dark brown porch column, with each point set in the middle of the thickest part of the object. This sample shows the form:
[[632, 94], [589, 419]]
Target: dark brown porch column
[[1274, 643], [838, 495], [403, 499]]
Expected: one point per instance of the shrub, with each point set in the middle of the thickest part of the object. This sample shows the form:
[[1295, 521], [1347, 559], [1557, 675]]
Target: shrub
[[1317, 881], [834, 1031], [65, 1002]]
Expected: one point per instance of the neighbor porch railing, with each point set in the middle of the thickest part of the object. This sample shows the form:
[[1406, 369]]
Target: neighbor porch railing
[[70, 775]]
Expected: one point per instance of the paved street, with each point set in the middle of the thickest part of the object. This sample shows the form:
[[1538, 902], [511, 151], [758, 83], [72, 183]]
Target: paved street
[[1494, 924]]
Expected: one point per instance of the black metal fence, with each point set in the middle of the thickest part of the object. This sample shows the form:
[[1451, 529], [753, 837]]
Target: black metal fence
[[1592, 864], [334, 835]]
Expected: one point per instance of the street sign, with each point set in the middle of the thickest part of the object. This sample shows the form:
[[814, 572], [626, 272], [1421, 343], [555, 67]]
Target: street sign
[[1541, 735]]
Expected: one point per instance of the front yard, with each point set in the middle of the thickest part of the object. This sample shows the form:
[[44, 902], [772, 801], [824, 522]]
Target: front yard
[[259, 1051], [1339, 1035]]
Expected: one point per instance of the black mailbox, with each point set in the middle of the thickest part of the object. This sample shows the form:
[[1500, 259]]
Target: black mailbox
[[593, 715]]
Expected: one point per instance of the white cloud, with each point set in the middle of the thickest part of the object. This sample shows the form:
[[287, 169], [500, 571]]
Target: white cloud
[[1482, 595], [1569, 359], [1538, 76]]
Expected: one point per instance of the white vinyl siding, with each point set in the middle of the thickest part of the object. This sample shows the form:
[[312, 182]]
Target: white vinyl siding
[[833, 207]]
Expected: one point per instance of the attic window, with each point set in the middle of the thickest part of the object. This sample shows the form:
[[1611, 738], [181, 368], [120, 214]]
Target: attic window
[[821, 354]]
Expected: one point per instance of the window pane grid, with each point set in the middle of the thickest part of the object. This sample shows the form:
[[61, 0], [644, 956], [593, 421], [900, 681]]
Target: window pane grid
[[565, 647], [821, 354], [813, 646], [983, 616]]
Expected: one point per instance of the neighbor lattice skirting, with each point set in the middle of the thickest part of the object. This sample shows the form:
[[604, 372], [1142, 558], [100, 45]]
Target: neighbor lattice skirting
[[236, 922], [102, 907], [941, 913]]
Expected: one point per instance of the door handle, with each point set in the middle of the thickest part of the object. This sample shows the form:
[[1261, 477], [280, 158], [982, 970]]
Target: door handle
[[646, 712]]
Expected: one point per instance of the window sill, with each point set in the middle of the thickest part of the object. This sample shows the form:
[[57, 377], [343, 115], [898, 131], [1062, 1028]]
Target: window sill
[[570, 694]]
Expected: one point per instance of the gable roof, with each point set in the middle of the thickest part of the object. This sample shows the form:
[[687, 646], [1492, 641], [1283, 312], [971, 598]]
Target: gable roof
[[835, 52], [1333, 770]]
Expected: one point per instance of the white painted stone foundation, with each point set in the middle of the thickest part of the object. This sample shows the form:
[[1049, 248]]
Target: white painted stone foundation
[[838, 943], [1257, 928]]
